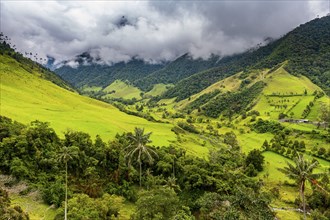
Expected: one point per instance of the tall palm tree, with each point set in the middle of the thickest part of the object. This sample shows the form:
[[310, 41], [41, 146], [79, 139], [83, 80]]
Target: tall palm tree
[[138, 148], [65, 156], [301, 172]]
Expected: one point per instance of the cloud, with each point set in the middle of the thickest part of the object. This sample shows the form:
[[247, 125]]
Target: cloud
[[151, 30]]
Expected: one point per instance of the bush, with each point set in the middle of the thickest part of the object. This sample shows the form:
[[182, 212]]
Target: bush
[[188, 127]]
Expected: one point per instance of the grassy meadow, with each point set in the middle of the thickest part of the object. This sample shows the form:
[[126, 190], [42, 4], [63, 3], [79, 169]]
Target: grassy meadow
[[26, 97], [121, 89]]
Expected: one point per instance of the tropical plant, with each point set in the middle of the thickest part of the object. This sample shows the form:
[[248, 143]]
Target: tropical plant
[[65, 156], [301, 172], [138, 148]]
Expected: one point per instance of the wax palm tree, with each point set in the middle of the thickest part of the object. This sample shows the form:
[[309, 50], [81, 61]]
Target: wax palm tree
[[138, 148], [301, 172], [65, 156]]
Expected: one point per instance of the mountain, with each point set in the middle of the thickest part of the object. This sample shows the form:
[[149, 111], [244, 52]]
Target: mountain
[[88, 72], [271, 94], [306, 48], [140, 74], [177, 70]]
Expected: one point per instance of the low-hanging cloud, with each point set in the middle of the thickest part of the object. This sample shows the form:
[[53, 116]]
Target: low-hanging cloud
[[154, 31]]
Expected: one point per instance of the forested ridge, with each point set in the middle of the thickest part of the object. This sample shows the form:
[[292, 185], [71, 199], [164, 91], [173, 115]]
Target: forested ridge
[[31, 64], [306, 49], [102, 75]]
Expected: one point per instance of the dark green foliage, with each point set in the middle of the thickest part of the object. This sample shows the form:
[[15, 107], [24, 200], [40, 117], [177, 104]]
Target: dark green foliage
[[306, 48], [146, 116], [256, 159], [9, 128], [9, 212], [54, 192], [83, 207], [175, 180], [251, 171], [203, 99], [233, 103], [188, 127], [282, 115], [264, 126], [177, 70], [241, 205], [103, 75], [160, 203]]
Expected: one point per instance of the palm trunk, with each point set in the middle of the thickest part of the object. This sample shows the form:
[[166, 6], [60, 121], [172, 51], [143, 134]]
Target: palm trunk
[[66, 191], [302, 189]]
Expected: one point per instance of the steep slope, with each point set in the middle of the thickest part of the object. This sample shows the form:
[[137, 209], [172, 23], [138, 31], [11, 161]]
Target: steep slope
[[92, 74], [137, 72], [306, 48], [31, 66], [177, 70], [281, 93], [120, 89], [26, 97]]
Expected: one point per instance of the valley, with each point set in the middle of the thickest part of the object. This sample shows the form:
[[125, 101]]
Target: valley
[[222, 132]]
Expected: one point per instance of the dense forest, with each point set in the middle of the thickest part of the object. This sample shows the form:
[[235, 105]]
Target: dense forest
[[92, 74], [178, 185]]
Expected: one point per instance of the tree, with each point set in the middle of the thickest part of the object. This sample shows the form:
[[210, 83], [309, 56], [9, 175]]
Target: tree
[[65, 156], [324, 113], [255, 158], [301, 171], [160, 203], [138, 148]]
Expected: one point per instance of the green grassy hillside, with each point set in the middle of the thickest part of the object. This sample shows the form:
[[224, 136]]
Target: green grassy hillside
[[288, 94], [26, 97], [306, 50], [282, 93], [120, 89], [158, 89]]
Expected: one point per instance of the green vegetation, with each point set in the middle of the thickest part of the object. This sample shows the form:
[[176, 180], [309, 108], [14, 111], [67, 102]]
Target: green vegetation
[[26, 97], [228, 104], [95, 170], [103, 75], [301, 172], [177, 70], [119, 89], [8, 212], [305, 48], [226, 152], [158, 90]]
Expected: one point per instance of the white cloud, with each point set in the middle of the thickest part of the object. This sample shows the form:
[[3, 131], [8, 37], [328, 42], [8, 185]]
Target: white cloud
[[156, 30]]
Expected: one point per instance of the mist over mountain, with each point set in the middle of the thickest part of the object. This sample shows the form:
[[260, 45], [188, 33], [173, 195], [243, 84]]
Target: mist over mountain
[[153, 31]]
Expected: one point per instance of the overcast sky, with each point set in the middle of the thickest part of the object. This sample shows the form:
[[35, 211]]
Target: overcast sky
[[150, 30]]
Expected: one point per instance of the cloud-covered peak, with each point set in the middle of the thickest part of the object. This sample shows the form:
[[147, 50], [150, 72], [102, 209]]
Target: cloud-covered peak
[[114, 31]]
